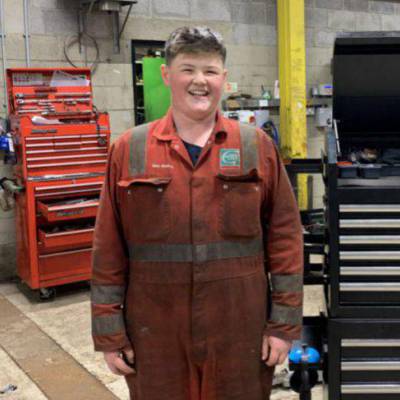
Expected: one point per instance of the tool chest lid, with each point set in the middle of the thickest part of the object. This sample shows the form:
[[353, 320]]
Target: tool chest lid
[[366, 88]]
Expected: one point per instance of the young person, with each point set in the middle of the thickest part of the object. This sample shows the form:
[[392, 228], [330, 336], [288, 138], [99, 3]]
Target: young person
[[197, 223]]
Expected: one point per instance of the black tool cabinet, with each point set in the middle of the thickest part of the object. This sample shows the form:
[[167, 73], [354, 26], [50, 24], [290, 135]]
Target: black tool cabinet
[[362, 200]]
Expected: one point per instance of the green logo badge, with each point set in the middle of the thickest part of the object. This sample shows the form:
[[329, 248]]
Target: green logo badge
[[229, 158]]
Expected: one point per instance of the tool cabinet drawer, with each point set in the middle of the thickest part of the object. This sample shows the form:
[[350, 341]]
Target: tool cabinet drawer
[[65, 239], [364, 359], [368, 255], [68, 152], [370, 392], [370, 293], [66, 266], [26, 128], [68, 209], [68, 190]]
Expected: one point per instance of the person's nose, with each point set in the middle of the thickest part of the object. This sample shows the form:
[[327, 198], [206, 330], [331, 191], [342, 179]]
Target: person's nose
[[199, 78]]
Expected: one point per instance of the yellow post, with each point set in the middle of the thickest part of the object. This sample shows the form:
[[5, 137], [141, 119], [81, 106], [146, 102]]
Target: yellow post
[[292, 81]]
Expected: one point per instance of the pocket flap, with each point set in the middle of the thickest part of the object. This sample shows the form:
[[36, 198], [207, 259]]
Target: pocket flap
[[154, 181], [252, 176]]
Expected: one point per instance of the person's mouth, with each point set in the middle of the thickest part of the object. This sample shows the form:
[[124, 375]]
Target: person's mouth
[[199, 93]]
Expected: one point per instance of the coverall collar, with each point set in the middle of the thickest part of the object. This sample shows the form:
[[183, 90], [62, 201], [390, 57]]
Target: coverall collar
[[167, 130]]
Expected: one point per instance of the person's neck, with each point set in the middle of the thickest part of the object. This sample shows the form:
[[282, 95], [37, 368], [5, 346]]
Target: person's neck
[[194, 131]]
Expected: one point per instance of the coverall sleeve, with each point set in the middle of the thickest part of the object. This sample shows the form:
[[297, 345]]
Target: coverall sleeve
[[109, 265], [284, 249]]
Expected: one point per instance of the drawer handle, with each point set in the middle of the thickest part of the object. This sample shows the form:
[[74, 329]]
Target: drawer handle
[[70, 186], [65, 253], [78, 206], [63, 137], [40, 195], [370, 287], [75, 156], [370, 343], [370, 271], [369, 208], [71, 232], [370, 255], [370, 223], [370, 366], [66, 164], [384, 389], [86, 149], [350, 239]]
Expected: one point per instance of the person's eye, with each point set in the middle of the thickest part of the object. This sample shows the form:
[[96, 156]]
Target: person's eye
[[212, 72]]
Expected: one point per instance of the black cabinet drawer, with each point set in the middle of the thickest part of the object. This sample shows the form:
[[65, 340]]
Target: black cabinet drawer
[[364, 359]]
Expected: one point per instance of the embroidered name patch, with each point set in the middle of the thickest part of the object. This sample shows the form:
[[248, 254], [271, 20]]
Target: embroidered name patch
[[229, 158]]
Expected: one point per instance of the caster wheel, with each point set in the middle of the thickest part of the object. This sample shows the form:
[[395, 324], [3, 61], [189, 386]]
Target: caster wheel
[[297, 381], [47, 294]]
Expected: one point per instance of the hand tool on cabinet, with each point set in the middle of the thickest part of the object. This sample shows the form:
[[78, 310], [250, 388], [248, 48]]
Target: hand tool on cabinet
[[42, 102], [44, 131], [32, 101], [73, 94], [83, 101], [68, 113], [31, 95], [23, 112], [33, 105], [33, 110]]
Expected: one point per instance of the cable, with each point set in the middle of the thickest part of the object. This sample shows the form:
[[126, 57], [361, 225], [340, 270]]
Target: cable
[[73, 39], [270, 129], [100, 140]]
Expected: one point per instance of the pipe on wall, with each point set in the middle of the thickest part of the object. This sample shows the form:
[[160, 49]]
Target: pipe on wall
[[3, 53], [27, 34]]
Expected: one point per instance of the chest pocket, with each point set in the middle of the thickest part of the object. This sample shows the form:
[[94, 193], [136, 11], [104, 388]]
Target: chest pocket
[[147, 208], [240, 203]]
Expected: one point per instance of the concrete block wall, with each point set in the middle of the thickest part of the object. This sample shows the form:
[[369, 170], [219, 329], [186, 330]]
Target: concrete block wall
[[249, 28]]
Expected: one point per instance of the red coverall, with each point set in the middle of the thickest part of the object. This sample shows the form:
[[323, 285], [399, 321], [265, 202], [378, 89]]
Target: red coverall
[[184, 257]]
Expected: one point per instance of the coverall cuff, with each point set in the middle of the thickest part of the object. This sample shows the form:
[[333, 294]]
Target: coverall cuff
[[283, 331], [106, 343]]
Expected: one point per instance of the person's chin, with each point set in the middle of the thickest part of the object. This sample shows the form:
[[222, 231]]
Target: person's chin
[[201, 111]]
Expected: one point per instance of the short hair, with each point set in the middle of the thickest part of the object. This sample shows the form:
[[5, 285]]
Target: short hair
[[194, 40]]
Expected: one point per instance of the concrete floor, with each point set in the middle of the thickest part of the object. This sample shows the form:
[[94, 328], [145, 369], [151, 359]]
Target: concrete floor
[[65, 324]]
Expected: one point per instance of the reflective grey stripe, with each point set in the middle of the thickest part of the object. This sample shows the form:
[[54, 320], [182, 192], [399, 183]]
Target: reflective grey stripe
[[138, 140], [286, 315], [195, 253], [287, 283], [248, 138], [107, 294], [108, 325]]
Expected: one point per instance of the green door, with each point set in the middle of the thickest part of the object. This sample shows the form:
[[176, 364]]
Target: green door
[[156, 94]]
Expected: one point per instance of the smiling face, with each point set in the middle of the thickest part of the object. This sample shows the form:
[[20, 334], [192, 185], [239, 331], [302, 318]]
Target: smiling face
[[196, 81]]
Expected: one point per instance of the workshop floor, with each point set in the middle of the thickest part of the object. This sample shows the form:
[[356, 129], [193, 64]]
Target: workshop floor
[[46, 349]]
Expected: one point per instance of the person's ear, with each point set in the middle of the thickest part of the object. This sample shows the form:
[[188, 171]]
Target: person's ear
[[165, 74], [225, 74]]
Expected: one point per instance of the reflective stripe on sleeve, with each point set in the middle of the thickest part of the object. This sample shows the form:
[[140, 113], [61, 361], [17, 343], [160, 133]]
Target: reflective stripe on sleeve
[[137, 158], [286, 315], [287, 283], [248, 138], [195, 253], [107, 294], [108, 324]]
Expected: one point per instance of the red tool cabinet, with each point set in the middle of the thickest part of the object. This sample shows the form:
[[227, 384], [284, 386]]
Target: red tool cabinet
[[61, 144]]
